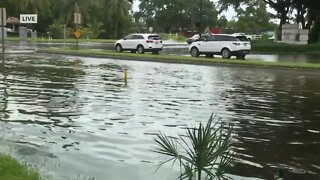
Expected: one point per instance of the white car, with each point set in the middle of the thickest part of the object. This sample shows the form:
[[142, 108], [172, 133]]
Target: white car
[[249, 37], [140, 43], [221, 44]]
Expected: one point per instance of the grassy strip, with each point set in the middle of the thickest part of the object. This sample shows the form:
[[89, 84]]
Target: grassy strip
[[11, 169], [179, 59], [281, 48]]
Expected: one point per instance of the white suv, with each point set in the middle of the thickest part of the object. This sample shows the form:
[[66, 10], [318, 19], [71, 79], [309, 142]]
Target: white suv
[[221, 44], [140, 43]]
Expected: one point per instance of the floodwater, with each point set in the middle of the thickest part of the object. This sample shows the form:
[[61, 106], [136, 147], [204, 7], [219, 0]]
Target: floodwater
[[75, 118]]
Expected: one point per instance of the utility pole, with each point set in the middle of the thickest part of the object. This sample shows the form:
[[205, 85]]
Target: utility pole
[[201, 16], [2, 23], [77, 33]]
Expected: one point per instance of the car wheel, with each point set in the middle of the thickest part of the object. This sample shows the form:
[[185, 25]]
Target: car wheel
[[140, 49], [194, 52], [209, 55], [155, 52], [118, 48], [226, 54]]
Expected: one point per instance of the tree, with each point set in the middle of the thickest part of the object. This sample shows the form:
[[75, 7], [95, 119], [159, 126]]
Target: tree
[[117, 10], [67, 8], [32, 6], [175, 15], [282, 8], [253, 18], [314, 35]]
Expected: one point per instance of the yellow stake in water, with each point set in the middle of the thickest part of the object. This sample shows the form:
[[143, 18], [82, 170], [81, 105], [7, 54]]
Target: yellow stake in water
[[126, 75]]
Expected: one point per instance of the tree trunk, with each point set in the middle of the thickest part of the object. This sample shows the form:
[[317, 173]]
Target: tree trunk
[[116, 29]]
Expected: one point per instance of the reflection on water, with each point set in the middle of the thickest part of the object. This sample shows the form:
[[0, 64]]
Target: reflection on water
[[296, 58], [76, 117]]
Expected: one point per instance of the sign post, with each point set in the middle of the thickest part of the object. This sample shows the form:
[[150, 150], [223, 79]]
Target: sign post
[[27, 19], [77, 33], [2, 23]]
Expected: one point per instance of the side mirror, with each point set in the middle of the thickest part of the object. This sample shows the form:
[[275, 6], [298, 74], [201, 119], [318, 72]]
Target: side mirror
[[124, 38], [205, 39]]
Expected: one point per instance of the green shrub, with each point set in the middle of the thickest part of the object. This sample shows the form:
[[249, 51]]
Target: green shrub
[[56, 31], [268, 46], [206, 150]]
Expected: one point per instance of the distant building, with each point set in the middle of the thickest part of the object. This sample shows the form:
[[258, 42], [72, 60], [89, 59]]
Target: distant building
[[292, 34]]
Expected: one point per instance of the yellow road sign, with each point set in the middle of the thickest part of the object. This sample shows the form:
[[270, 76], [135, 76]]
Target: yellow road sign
[[77, 34]]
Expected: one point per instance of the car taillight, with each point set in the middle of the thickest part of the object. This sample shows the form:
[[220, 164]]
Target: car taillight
[[149, 41], [237, 44]]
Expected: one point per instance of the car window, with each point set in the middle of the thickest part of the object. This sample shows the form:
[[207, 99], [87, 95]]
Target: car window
[[242, 38], [154, 37], [219, 38], [129, 37], [137, 37], [228, 38], [212, 38]]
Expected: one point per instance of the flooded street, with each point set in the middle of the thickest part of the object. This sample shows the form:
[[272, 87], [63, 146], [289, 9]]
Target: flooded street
[[75, 117], [172, 49]]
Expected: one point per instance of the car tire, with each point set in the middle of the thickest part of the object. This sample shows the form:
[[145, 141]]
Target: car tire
[[194, 52], [140, 49], [118, 48], [226, 53]]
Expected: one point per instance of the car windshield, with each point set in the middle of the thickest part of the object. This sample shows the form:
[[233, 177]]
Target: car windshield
[[154, 37], [242, 38]]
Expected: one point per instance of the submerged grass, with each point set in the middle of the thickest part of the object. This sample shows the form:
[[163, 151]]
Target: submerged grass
[[11, 169], [179, 59]]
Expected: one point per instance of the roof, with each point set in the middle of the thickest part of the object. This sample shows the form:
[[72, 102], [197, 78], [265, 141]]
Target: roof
[[13, 20], [145, 35]]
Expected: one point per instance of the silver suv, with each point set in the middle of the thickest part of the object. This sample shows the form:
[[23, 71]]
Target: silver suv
[[225, 45]]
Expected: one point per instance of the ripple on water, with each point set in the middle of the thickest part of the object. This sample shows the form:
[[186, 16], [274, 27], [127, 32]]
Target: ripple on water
[[80, 110]]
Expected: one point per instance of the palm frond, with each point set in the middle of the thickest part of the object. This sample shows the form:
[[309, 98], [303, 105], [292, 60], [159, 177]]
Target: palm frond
[[205, 149]]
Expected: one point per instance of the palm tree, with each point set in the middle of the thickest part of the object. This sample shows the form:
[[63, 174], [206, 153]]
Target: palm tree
[[32, 6], [69, 7], [206, 150], [117, 10]]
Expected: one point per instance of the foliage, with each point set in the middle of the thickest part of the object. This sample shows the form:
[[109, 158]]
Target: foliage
[[206, 150], [268, 46], [305, 9], [56, 31], [253, 18], [314, 35], [10, 169], [173, 16], [117, 11]]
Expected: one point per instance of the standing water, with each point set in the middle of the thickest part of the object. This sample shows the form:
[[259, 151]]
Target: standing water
[[75, 118]]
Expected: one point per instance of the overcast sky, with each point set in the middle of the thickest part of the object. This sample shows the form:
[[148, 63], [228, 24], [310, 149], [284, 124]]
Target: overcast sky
[[229, 14]]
